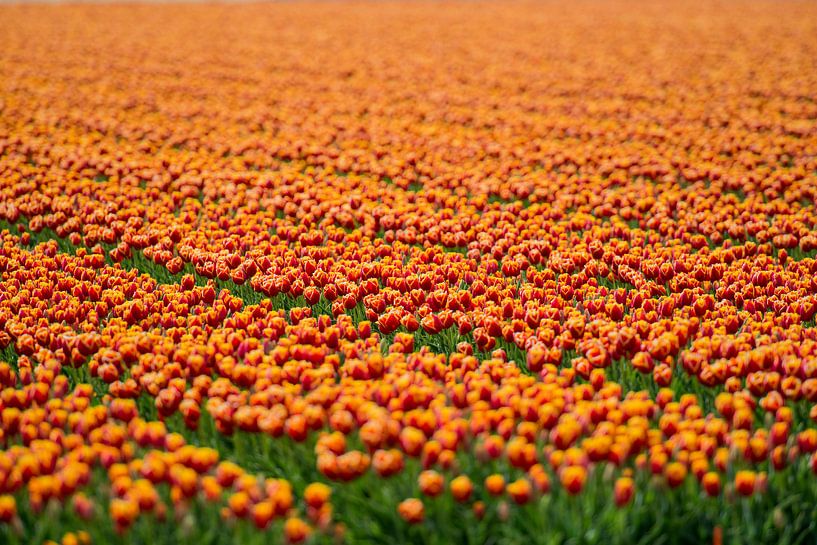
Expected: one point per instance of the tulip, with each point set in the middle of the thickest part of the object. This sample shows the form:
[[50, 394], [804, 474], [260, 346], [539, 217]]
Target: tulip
[[411, 510], [431, 483], [317, 494], [745, 482], [495, 484], [262, 514], [623, 491], [412, 440], [461, 488], [479, 509], [520, 490], [573, 479], [711, 483], [123, 513], [239, 504], [387, 462], [8, 508], [296, 530]]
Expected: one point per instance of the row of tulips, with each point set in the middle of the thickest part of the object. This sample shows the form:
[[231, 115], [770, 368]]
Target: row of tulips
[[257, 370]]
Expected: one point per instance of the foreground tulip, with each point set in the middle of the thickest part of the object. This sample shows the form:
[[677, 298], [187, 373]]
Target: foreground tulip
[[623, 491], [520, 491], [461, 488], [675, 473], [745, 482], [411, 510], [431, 483], [296, 530], [317, 494], [495, 484], [8, 508], [711, 483], [573, 479]]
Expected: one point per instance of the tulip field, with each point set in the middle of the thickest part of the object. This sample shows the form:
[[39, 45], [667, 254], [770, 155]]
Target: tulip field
[[408, 273]]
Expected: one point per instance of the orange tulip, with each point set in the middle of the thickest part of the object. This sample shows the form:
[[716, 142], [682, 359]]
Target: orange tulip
[[573, 479], [431, 483], [745, 482], [520, 490], [461, 488], [623, 491], [317, 494], [8, 508], [411, 510], [296, 530], [675, 473], [495, 484]]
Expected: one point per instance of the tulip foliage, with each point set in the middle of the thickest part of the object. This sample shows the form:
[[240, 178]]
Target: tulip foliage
[[406, 272]]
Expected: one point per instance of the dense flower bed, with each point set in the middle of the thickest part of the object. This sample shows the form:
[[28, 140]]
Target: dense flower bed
[[408, 273]]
